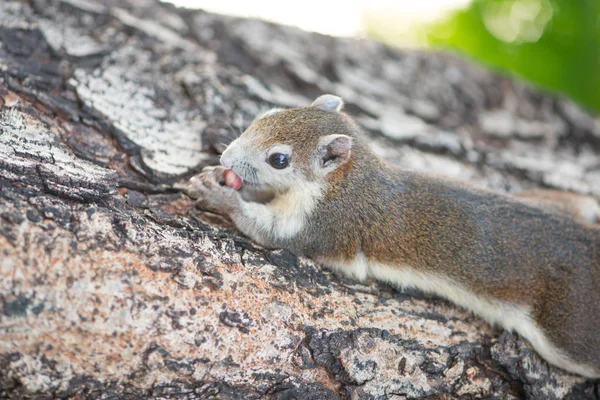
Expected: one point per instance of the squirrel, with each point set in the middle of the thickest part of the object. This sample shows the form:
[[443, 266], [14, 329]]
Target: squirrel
[[305, 180]]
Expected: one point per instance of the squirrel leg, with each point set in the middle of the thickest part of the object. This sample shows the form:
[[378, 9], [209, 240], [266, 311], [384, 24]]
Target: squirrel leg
[[583, 208]]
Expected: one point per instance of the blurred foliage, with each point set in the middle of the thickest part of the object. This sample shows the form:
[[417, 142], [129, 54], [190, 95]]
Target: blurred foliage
[[553, 43]]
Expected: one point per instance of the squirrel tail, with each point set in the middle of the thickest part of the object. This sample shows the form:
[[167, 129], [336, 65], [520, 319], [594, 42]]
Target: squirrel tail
[[584, 208]]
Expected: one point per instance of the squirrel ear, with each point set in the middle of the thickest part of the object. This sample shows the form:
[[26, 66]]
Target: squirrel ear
[[334, 150], [328, 102]]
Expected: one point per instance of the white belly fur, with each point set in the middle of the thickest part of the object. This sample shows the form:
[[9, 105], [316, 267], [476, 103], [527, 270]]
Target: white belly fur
[[510, 316]]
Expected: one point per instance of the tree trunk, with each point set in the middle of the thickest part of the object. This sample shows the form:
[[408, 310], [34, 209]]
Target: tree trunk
[[113, 285]]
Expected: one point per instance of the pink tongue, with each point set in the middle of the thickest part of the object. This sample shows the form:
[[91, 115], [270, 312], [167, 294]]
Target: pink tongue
[[232, 180]]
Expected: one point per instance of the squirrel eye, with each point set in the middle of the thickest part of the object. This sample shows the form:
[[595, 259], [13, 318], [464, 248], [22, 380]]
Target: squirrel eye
[[278, 160]]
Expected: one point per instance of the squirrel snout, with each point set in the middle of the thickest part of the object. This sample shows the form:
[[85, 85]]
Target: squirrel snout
[[227, 158]]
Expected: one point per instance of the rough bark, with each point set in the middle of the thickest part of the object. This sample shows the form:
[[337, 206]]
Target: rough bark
[[114, 286]]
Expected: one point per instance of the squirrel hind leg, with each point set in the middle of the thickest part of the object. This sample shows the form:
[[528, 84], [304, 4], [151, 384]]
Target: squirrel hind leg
[[583, 208]]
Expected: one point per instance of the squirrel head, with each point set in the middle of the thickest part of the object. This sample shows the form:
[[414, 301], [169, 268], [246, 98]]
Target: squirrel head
[[286, 147]]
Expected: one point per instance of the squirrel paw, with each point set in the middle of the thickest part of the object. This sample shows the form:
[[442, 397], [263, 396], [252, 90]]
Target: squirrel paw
[[210, 189]]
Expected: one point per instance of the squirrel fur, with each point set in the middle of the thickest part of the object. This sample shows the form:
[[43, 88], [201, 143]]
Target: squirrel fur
[[529, 264]]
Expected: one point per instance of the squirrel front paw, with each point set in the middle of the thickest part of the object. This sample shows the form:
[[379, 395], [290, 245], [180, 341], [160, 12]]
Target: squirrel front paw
[[209, 188]]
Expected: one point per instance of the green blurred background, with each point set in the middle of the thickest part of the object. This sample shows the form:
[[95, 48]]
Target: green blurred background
[[552, 43]]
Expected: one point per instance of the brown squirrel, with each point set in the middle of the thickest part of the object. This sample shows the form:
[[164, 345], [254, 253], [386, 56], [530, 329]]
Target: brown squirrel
[[304, 180]]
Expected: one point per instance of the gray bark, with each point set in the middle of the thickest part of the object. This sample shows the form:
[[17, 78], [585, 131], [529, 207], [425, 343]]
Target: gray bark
[[113, 285]]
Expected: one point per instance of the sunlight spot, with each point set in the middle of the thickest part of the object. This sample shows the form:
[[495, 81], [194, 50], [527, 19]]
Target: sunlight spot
[[334, 17], [517, 20]]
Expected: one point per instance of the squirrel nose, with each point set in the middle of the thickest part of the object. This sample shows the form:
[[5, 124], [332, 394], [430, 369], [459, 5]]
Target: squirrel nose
[[226, 158]]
